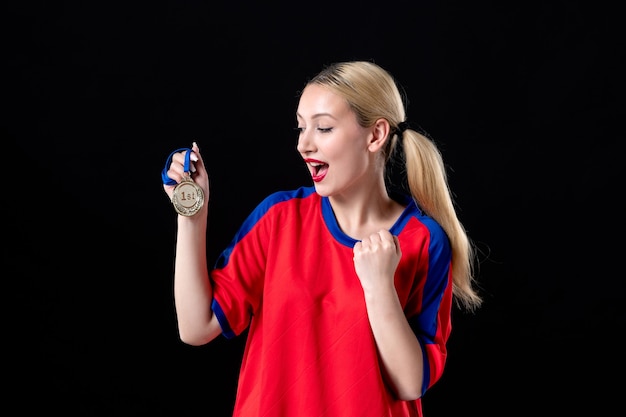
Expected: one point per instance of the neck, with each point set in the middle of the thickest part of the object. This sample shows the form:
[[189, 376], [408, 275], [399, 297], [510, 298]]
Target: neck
[[365, 212]]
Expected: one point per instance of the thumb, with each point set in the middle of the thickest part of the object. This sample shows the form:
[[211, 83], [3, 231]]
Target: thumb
[[195, 156], [397, 242]]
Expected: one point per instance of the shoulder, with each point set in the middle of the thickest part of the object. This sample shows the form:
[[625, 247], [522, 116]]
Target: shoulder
[[285, 199], [286, 196], [415, 222]]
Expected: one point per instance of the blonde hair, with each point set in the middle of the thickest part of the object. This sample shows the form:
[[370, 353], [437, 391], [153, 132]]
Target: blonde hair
[[372, 93]]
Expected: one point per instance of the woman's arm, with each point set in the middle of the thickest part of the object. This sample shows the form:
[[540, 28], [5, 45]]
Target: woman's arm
[[376, 259], [193, 294]]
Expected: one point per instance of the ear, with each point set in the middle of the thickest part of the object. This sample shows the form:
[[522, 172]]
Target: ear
[[379, 135]]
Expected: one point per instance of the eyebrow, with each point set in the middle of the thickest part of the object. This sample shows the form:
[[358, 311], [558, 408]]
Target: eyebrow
[[318, 115]]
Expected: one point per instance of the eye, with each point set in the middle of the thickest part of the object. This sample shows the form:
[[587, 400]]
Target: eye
[[298, 129], [325, 129]]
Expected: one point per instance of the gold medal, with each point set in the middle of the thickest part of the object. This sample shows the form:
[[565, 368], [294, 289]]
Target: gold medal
[[188, 197]]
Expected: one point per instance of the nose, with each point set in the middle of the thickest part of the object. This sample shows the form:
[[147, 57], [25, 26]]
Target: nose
[[305, 144]]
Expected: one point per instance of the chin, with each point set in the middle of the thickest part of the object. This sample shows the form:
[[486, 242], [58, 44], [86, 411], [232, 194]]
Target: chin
[[321, 190]]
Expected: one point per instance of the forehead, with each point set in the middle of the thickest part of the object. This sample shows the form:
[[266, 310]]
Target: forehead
[[318, 100]]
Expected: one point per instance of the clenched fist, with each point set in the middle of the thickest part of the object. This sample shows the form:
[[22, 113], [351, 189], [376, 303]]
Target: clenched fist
[[376, 259]]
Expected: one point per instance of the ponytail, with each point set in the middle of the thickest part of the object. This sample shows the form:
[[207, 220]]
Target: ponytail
[[428, 183]]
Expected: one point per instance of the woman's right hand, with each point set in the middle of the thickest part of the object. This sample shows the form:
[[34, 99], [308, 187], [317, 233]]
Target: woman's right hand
[[197, 171]]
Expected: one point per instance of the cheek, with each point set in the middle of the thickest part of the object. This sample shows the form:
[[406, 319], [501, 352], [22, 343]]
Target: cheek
[[352, 163], [346, 152], [351, 146]]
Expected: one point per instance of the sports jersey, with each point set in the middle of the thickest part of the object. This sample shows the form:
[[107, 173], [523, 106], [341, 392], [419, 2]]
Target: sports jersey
[[288, 277]]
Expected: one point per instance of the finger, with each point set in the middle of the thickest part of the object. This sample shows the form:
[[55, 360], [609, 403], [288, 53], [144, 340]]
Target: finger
[[193, 158], [396, 241], [388, 241], [195, 153], [385, 235], [374, 238], [176, 169], [196, 157], [178, 161]]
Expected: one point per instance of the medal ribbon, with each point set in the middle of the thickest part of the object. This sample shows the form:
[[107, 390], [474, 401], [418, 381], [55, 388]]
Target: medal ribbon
[[166, 179]]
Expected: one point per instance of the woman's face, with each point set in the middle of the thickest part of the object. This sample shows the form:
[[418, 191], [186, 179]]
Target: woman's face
[[332, 143]]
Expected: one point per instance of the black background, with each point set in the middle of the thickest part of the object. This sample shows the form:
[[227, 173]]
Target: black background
[[525, 99]]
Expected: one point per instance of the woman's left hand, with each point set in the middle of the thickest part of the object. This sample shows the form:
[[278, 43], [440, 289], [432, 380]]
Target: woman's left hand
[[376, 259]]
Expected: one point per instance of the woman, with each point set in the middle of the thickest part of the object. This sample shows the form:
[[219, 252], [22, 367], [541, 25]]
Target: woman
[[346, 287]]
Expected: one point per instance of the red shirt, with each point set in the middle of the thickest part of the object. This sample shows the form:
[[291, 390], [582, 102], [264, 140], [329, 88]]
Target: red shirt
[[288, 277]]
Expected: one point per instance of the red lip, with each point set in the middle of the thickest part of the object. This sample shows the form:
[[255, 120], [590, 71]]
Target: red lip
[[317, 173], [318, 178]]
